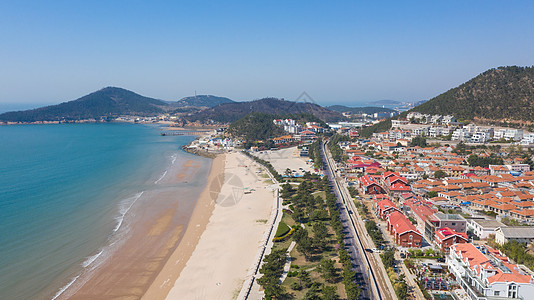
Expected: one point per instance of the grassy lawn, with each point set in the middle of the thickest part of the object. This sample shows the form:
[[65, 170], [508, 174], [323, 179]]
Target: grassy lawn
[[283, 228]]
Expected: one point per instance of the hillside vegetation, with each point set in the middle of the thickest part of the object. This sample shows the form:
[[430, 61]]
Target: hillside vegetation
[[502, 94], [231, 112], [258, 126], [107, 102], [201, 101]]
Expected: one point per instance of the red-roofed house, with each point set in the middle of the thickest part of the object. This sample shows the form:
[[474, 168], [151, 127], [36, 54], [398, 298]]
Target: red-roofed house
[[404, 232], [446, 237], [370, 185], [385, 207]]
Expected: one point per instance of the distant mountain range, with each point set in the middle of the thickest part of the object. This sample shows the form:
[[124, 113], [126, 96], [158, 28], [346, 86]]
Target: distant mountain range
[[359, 110], [111, 102], [502, 94], [231, 112]]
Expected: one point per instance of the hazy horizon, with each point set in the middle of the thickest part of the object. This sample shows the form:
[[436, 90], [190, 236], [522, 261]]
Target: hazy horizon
[[339, 53]]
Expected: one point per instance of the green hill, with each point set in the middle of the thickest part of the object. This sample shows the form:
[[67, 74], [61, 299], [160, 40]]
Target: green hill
[[502, 94], [107, 102], [201, 101], [258, 126], [231, 112], [505, 94]]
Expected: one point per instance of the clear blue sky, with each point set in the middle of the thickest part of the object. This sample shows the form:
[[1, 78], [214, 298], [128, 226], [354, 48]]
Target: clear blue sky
[[337, 51]]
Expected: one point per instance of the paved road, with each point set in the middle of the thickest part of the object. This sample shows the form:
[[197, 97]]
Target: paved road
[[373, 274]]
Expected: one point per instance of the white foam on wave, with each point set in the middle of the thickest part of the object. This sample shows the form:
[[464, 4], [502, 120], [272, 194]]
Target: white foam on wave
[[163, 175], [64, 288], [125, 206], [173, 160], [91, 259]]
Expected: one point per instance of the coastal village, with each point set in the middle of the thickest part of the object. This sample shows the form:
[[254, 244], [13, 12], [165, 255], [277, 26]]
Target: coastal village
[[458, 217]]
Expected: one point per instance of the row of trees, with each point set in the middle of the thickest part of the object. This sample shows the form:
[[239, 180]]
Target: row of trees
[[319, 212], [265, 163], [480, 161], [335, 150]]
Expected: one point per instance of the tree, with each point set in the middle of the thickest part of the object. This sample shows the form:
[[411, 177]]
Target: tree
[[418, 141], [272, 269], [388, 258], [432, 194], [528, 161], [304, 278], [327, 269], [439, 174], [329, 293]]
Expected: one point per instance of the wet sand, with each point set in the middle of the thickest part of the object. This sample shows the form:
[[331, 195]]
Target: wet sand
[[156, 237]]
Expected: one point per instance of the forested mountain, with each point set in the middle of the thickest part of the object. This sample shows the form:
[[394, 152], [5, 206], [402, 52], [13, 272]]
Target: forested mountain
[[231, 112], [107, 102], [359, 110], [502, 94], [505, 94], [258, 126], [255, 126], [201, 101]]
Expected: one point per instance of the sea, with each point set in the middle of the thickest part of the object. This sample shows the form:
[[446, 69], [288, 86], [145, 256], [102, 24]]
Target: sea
[[67, 196]]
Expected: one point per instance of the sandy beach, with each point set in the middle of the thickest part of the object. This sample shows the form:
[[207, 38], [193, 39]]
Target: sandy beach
[[216, 265], [157, 235]]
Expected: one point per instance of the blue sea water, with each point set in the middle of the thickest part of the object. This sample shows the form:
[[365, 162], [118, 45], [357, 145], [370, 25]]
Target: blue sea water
[[61, 191]]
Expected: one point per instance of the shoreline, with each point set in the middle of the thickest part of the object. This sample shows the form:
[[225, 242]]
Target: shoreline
[[174, 265], [159, 227], [228, 248]]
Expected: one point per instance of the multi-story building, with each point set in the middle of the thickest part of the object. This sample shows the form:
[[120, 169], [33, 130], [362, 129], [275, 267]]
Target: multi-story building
[[528, 139], [485, 274], [508, 134], [444, 238], [461, 134], [441, 220]]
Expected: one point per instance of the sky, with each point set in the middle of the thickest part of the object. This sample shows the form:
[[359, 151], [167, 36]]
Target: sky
[[339, 52]]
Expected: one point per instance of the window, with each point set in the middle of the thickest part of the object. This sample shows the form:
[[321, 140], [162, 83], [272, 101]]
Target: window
[[453, 223], [496, 293]]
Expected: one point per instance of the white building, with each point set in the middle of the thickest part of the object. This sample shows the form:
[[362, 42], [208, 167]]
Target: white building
[[485, 274], [398, 123], [436, 119], [482, 228], [521, 234], [435, 131], [481, 136], [509, 134], [461, 134], [528, 139], [448, 119], [420, 131]]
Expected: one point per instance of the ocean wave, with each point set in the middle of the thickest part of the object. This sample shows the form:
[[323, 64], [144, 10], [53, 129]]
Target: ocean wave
[[163, 175], [65, 287], [91, 259], [125, 206], [173, 160]]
